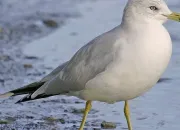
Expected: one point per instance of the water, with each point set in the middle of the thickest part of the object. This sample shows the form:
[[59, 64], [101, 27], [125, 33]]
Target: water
[[157, 109]]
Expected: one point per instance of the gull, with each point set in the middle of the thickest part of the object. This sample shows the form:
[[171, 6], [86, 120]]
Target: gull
[[119, 65]]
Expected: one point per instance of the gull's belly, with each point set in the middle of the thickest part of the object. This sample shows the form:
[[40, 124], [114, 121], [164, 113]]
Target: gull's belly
[[111, 86], [119, 85]]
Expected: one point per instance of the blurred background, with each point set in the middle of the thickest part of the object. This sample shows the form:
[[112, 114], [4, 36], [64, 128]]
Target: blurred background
[[38, 35]]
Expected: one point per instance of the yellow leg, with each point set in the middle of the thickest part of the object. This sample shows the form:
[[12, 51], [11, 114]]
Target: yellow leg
[[87, 109], [127, 115]]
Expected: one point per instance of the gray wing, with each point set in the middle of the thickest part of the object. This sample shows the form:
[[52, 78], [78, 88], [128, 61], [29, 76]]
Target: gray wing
[[89, 61], [54, 72]]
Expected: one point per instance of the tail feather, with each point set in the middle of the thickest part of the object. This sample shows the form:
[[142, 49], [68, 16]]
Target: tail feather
[[24, 90]]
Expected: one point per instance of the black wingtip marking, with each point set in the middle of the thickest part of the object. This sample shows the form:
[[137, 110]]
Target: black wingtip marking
[[24, 99], [28, 98]]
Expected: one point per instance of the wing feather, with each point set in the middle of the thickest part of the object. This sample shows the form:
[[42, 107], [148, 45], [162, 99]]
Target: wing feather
[[88, 62]]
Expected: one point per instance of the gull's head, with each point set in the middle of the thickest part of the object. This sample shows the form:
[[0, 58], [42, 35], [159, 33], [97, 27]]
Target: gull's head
[[149, 11]]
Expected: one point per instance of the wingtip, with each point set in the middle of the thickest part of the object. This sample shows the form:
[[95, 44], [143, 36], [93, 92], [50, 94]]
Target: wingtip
[[18, 102], [24, 99], [8, 94]]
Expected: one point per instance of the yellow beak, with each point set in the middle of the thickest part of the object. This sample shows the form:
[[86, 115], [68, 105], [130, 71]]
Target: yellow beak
[[174, 16]]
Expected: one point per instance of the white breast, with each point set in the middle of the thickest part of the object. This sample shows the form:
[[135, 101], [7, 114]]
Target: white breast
[[144, 62]]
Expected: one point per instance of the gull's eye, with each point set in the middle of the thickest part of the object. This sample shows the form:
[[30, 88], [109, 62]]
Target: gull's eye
[[154, 8]]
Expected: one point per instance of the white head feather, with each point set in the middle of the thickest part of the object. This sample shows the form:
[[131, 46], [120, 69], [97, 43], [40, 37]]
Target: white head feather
[[146, 10]]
